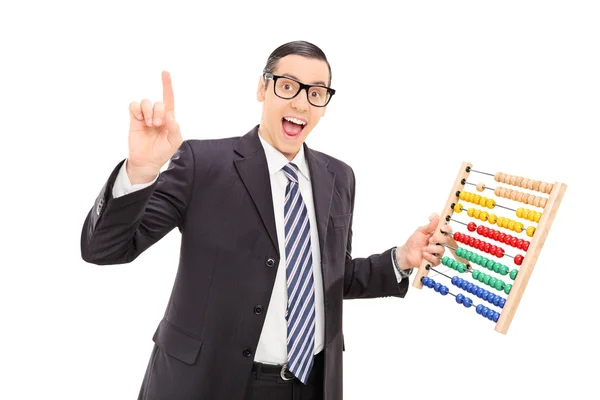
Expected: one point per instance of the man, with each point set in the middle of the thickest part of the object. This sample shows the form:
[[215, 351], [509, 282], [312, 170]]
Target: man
[[266, 224]]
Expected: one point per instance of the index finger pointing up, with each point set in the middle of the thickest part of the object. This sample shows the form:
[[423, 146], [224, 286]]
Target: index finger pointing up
[[168, 96]]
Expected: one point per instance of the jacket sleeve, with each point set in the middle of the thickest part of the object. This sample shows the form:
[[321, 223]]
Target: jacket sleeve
[[373, 276], [118, 230]]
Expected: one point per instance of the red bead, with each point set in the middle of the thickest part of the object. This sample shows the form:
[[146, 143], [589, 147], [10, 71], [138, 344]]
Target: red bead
[[525, 245], [507, 239], [486, 247], [513, 241], [501, 237], [519, 244], [518, 259], [480, 229], [500, 252], [496, 235], [471, 227]]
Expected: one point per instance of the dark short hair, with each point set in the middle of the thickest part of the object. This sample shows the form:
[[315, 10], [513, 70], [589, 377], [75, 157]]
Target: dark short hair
[[299, 47]]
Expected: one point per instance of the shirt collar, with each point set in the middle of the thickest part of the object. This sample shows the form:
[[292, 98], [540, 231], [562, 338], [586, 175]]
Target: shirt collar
[[276, 160]]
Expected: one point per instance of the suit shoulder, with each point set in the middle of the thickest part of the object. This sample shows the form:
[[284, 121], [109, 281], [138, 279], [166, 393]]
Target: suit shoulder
[[335, 164], [212, 145]]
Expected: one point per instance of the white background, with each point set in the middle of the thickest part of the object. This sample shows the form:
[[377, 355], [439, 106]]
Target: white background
[[509, 86]]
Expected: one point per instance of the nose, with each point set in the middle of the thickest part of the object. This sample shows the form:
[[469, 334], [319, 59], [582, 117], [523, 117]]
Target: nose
[[300, 102]]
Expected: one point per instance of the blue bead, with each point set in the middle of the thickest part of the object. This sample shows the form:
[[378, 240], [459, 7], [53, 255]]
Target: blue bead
[[496, 316], [430, 283], [479, 309], [454, 280], [485, 311], [459, 298], [467, 302], [485, 295], [436, 287], [444, 290], [490, 315], [480, 292], [464, 284], [501, 302], [470, 287], [496, 299]]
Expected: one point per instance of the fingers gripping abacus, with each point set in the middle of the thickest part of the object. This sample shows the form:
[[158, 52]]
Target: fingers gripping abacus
[[495, 286]]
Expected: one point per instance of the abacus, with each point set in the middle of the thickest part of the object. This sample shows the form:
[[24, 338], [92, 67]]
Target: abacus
[[498, 286]]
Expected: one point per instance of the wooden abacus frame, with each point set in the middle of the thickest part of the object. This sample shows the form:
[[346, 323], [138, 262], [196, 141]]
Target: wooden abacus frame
[[531, 255]]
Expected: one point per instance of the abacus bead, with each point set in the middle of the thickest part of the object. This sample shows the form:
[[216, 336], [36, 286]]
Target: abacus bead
[[455, 280], [490, 315], [525, 245], [480, 229], [543, 202], [480, 187], [486, 247], [519, 244], [513, 241], [493, 281], [503, 270], [437, 286], [490, 203], [518, 259], [501, 237], [469, 287], [511, 225], [474, 274], [444, 290], [470, 212], [461, 268], [459, 298], [490, 264], [463, 284], [496, 300], [486, 279], [458, 208], [483, 201], [520, 212], [519, 227], [496, 267], [485, 295], [530, 231], [476, 214], [479, 309], [496, 235], [507, 288], [513, 274], [471, 226], [499, 285], [467, 302], [492, 219], [537, 217], [496, 316], [500, 252], [431, 284], [501, 302], [480, 292]]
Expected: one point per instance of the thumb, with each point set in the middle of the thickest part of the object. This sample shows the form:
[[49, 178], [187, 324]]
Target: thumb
[[430, 227]]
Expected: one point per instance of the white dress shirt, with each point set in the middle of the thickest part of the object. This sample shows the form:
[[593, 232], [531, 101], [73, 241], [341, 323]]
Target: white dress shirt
[[272, 347]]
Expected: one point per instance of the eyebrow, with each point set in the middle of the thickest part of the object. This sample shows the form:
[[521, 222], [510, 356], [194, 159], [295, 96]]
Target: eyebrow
[[314, 83]]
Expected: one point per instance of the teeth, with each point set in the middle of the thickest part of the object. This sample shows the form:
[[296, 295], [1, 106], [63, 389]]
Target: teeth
[[296, 121]]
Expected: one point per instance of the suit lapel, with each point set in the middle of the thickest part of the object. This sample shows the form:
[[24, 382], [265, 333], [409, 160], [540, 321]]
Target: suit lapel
[[322, 185], [254, 172]]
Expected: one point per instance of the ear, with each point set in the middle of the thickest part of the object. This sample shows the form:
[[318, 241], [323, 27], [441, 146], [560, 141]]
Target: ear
[[260, 91]]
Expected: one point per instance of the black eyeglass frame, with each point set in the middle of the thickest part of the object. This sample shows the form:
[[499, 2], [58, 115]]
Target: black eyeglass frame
[[268, 75]]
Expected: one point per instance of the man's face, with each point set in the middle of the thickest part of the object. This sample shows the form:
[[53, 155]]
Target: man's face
[[288, 136]]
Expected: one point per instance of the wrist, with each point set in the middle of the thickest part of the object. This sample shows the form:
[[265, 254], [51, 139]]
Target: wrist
[[140, 174]]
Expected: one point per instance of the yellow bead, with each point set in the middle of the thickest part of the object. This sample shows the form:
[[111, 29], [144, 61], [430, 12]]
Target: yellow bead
[[518, 227], [492, 219], [520, 212], [530, 231], [470, 212], [483, 201], [525, 214], [537, 216], [458, 207], [470, 198], [511, 225], [476, 199], [462, 195], [490, 203], [483, 216], [476, 214]]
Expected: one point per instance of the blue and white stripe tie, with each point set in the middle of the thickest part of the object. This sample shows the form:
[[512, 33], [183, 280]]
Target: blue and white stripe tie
[[300, 314]]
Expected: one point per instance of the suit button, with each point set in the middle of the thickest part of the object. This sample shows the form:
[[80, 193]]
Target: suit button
[[258, 309], [270, 263], [247, 352]]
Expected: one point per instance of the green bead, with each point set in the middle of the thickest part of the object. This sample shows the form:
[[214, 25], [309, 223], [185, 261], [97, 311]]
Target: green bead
[[461, 267], [478, 260], [503, 270], [513, 274], [475, 274], [470, 255], [492, 282], [459, 252], [496, 267], [499, 284], [481, 276], [507, 288], [486, 279], [454, 264]]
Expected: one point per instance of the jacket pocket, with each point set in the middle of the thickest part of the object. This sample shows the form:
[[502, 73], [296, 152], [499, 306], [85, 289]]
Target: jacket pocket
[[177, 343]]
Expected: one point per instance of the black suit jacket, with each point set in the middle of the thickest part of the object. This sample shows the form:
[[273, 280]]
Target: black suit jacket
[[218, 194]]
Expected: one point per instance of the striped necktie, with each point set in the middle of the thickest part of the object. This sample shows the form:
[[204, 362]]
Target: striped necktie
[[300, 314]]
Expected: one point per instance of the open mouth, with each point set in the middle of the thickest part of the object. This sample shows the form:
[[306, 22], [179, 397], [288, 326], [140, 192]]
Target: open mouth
[[292, 127]]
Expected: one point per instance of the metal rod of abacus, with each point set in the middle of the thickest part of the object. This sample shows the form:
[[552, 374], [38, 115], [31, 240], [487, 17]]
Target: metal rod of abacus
[[460, 222], [469, 169]]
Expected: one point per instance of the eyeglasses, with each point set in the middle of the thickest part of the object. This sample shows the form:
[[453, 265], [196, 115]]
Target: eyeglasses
[[288, 88]]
